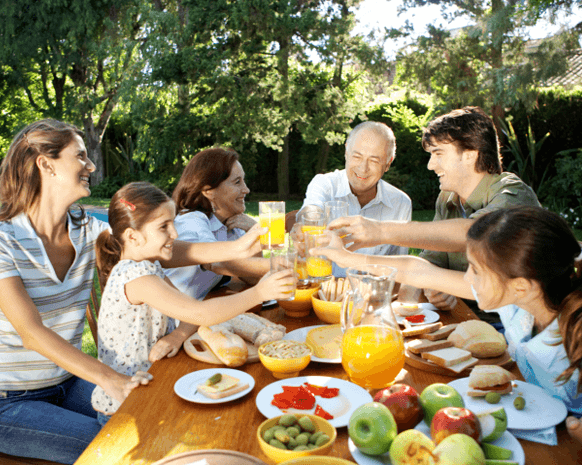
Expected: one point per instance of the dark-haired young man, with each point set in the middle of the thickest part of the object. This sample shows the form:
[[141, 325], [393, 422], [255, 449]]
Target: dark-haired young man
[[464, 154]]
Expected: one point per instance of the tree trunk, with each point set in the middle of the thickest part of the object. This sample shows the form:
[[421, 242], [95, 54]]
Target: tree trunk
[[93, 144], [283, 170], [323, 157], [283, 159]]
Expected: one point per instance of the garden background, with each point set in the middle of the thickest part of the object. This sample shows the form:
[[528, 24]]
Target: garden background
[[151, 83]]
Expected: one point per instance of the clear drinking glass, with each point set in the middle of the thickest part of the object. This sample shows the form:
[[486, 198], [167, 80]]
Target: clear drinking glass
[[284, 259], [272, 216], [336, 209], [318, 267]]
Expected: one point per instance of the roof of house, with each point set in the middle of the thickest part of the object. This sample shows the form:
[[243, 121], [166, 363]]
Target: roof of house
[[573, 76]]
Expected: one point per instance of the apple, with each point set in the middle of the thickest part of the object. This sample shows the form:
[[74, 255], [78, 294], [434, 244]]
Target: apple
[[452, 420], [493, 423], [372, 428], [458, 449], [404, 403], [412, 447], [436, 396]]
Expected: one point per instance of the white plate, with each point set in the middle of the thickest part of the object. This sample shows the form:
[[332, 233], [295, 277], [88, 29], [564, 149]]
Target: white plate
[[300, 334], [350, 397], [423, 306], [541, 409], [186, 385], [429, 317], [507, 441]]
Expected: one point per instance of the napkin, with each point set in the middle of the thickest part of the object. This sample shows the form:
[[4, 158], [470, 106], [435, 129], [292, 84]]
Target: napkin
[[545, 435]]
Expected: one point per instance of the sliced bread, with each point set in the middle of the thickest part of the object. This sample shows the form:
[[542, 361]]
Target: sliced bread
[[447, 357]]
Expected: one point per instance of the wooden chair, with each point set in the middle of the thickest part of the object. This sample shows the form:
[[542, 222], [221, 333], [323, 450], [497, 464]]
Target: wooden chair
[[290, 220]]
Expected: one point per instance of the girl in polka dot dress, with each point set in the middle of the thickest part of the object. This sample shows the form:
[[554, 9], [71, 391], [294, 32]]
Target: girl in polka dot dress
[[139, 304]]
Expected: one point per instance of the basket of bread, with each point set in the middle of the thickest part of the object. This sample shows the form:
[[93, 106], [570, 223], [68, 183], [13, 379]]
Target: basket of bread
[[454, 349], [233, 342]]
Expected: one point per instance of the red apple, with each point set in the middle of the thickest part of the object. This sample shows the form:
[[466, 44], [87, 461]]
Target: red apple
[[404, 403], [453, 420]]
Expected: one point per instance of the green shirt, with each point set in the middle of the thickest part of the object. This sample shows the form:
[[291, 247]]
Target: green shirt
[[495, 191]]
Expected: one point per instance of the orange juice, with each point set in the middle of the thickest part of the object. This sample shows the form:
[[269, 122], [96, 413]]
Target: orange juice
[[372, 355], [311, 227], [301, 269], [275, 238], [318, 267]]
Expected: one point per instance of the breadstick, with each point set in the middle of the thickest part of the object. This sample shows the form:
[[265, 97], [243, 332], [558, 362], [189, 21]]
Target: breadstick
[[321, 295]]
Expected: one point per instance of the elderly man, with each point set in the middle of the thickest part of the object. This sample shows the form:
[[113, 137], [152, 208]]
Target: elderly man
[[370, 150], [464, 154]]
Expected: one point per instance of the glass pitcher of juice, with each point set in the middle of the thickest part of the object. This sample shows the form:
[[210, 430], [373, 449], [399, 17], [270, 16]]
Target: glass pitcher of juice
[[372, 344]]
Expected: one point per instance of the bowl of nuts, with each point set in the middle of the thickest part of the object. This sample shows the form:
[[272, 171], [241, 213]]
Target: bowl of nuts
[[291, 436], [284, 358]]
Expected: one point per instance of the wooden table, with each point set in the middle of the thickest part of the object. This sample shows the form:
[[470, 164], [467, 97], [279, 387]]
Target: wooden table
[[154, 422]]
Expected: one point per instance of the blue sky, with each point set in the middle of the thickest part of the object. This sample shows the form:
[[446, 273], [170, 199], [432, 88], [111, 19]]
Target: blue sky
[[383, 13]]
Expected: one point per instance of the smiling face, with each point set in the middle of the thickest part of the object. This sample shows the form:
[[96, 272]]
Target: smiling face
[[365, 164], [488, 285], [454, 167], [158, 234], [72, 169], [229, 197]]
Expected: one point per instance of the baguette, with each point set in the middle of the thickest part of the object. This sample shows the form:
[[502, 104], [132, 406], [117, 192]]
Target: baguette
[[227, 346], [227, 386], [442, 333], [447, 357]]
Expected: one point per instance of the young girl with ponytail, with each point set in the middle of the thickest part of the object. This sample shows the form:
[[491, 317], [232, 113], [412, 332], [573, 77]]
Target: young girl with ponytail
[[523, 264], [139, 303]]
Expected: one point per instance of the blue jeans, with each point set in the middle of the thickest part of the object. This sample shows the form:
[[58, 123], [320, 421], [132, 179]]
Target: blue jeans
[[55, 423]]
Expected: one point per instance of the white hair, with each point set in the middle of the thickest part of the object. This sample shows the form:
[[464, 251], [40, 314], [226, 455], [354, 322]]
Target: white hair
[[380, 129]]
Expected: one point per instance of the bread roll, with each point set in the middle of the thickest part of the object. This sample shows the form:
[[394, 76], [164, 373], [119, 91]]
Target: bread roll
[[485, 378], [227, 346], [479, 338]]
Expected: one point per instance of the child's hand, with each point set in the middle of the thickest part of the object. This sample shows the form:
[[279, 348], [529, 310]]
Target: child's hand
[[336, 252], [120, 386], [167, 346], [276, 285], [249, 245]]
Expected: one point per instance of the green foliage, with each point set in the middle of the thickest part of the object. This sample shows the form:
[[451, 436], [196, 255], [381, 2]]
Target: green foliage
[[486, 64], [527, 165]]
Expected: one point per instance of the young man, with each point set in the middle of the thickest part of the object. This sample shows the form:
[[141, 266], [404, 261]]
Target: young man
[[464, 154], [370, 150]]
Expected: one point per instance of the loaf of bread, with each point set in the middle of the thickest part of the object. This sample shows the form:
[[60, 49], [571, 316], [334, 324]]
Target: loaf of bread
[[228, 347], [479, 338]]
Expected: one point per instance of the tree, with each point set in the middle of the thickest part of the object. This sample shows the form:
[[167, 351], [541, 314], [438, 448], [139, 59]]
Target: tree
[[488, 63], [257, 70], [71, 58]]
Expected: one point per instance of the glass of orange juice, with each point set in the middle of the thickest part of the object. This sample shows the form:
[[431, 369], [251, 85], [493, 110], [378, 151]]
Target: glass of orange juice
[[372, 344], [272, 216], [318, 267], [313, 221], [335, 209], [284, 259]]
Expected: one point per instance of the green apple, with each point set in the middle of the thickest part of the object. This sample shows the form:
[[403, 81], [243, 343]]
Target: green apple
[[493, 424], [437, 396], [495, 452], [412, 447], [372, 428], [459, 449]]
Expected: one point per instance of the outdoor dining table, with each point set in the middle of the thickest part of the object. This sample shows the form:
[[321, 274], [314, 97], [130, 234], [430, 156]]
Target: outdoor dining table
[[154, 422]]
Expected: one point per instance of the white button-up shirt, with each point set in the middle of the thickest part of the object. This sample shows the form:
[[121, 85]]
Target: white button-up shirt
[[390, 203]]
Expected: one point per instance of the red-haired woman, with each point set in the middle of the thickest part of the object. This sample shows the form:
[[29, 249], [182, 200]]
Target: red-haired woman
[[210, 200]]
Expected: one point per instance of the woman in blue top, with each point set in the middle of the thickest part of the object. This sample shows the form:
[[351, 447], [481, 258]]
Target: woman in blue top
[[522, 265]]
